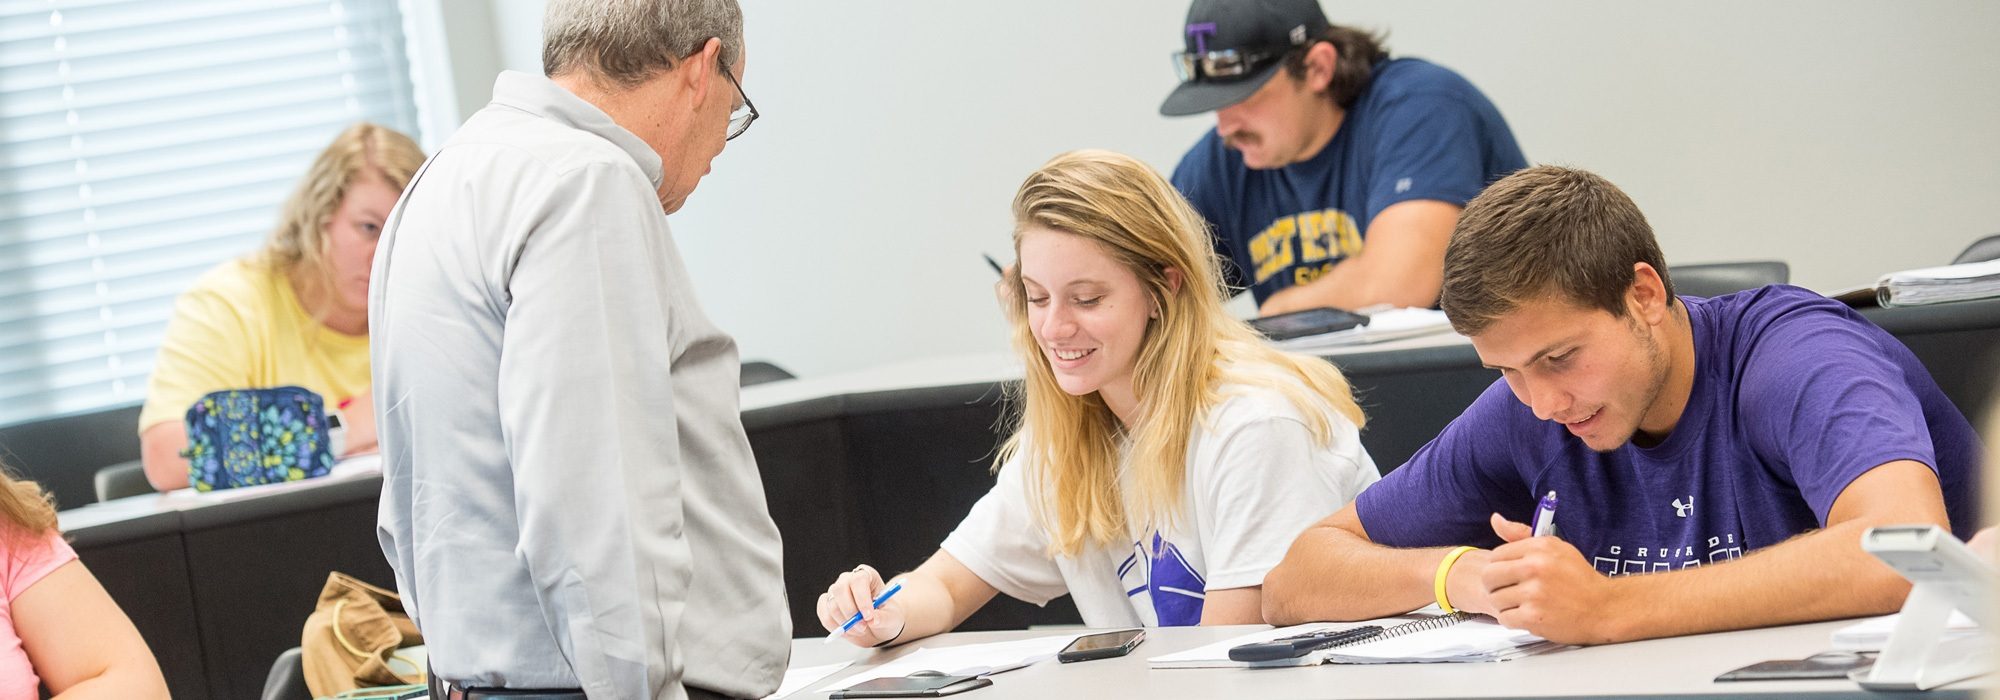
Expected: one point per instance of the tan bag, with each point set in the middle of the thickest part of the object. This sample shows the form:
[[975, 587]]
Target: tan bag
[[352, 635]]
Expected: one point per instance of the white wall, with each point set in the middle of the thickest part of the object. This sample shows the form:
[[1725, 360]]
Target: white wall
[[1847, 137]]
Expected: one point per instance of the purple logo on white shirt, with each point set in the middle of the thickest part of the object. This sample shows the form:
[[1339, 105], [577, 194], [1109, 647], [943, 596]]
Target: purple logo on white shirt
[[1167, 580]]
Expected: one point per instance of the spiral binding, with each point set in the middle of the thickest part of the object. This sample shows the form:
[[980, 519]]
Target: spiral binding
[[1414, 627]]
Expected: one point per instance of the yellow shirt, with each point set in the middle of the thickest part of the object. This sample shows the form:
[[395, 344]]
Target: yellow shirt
[[241, 327]]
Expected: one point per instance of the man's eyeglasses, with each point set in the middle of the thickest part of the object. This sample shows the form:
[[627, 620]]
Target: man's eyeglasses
[[741, 117], [1227, 64]]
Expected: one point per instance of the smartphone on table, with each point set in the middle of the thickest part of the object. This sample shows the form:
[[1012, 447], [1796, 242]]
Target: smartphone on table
[[1103, 645], [1298, 324]]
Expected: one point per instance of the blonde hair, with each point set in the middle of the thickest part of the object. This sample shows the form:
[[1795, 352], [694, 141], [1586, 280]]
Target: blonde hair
[[298, 245], [24, 509], [1188, 354]]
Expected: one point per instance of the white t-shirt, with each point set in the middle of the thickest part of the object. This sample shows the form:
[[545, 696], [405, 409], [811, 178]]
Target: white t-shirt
[[1255, 480]]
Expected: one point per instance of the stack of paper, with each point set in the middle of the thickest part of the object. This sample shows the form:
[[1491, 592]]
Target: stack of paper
[[1873, 633], [1935, 285], [797, 678], [968, 659], [1472, 640], [1386, 325]]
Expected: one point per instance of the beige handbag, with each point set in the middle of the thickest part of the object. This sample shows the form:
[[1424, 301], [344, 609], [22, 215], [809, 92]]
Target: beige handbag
[[351, 639]]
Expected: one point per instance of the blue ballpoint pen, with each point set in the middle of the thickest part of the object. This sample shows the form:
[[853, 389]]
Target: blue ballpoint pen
[[852, 621], [1545, 516]]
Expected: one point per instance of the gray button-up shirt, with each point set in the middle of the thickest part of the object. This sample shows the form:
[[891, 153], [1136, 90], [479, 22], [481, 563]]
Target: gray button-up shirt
[[568, 497]]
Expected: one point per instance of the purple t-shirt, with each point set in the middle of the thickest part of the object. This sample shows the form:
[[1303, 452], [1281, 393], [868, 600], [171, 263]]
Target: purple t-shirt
[[1794, 396]]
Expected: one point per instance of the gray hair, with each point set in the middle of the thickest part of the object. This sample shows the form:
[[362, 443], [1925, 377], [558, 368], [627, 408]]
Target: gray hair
[[628, 41]]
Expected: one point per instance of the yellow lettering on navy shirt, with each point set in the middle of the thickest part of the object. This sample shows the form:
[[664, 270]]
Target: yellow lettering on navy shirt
[[1313, 237], [1271, 249], [1348, 234], [1324, 235], [1305, 274]]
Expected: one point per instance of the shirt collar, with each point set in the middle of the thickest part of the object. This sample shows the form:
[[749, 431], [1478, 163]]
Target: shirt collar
[[540, 96]]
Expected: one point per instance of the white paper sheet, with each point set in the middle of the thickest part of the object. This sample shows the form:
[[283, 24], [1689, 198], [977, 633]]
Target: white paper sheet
[[969, 659], [796, 679]]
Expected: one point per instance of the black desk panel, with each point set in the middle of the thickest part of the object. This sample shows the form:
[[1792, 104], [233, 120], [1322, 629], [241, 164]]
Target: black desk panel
[[880, 479], [258, 566], [143, 565], [1960, 345], [1406, 408], [815, 501]]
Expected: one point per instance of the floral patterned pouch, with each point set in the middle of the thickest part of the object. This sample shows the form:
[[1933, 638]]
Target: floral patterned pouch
[[245, 437]]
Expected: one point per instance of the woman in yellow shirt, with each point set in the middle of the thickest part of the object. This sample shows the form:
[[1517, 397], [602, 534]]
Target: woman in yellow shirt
[[295, 313]]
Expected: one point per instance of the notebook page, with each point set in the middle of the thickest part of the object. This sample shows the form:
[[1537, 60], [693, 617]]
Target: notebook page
[[968, 659], [1216, 655], [1472, 640]]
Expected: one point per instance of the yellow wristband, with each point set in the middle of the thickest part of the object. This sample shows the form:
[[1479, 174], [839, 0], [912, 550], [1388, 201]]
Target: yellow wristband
[[1444, 568]]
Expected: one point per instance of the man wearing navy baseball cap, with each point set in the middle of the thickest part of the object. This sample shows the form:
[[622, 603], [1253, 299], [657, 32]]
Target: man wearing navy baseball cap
[[1334, 174]]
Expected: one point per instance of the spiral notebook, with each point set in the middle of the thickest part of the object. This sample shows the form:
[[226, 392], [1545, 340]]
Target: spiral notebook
[[1454, 638]]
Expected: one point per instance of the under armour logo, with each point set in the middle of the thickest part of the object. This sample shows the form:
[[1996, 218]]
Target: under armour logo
[[1682, 511], [1200, 33]]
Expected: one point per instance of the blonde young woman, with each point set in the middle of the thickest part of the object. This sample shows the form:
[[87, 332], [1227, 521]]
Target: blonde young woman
[[57, 625], [1164, 455], [295, 313]]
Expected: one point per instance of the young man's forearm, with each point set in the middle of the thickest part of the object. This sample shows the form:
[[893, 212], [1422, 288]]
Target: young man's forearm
[[1822, 575], [1333, 574], [1365, 281]]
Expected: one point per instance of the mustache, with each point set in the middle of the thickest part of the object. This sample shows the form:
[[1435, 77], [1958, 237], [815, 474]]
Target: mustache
[[1239, 139]]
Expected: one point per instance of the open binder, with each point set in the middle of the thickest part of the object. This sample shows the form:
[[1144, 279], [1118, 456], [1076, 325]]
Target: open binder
[[1455, 638]]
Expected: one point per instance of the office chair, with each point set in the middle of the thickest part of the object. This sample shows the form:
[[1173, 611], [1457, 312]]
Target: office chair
[[287, 680], [1981, 250], [1717, 279], [121, 480], [758, 372]]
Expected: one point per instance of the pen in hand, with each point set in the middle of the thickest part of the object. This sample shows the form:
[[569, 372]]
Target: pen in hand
[[997, 269], [856, 619], [1545, 516]]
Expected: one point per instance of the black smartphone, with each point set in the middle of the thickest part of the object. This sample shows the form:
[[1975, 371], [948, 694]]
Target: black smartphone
[[917, 686], [1296, 324], [1831, 664], [1103, 645]]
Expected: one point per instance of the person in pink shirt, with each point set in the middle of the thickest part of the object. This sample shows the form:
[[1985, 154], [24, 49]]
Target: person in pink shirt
[[57, 625]]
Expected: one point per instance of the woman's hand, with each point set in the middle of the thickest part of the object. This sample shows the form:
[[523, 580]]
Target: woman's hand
[[853, 592]]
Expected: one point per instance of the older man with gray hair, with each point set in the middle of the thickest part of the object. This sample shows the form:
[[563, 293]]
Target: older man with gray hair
[[568, 500]]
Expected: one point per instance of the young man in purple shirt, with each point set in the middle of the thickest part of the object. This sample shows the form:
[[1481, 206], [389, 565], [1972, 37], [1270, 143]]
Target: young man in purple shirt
[[1731, 449]]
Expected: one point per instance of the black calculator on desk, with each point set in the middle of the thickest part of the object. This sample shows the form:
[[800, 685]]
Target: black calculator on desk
[[1301, 644]]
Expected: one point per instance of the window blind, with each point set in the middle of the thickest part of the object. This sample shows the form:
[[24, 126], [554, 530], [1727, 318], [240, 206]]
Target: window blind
[[143, 142]]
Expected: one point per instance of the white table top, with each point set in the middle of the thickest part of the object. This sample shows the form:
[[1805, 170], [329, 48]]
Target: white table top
[[1683, 666], [983, 368], [130, 507]]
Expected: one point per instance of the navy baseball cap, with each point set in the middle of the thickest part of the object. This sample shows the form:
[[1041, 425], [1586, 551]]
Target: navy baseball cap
[[1234, 47]]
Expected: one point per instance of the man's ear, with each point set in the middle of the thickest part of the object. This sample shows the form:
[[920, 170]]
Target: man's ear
[[1321, 59], [703, 64], [1647, 297]]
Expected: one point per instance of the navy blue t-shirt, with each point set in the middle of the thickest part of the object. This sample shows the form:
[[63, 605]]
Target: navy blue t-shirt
[[1794, 397], [1418, 132]]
